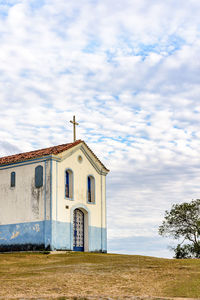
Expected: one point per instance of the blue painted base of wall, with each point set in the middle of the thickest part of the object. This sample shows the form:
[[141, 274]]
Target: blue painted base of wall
[[25, 236], [49, 235], [61, 235], [97, 239]]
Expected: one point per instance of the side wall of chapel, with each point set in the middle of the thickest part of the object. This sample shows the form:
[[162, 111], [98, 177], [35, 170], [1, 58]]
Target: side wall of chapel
[[24, 209]]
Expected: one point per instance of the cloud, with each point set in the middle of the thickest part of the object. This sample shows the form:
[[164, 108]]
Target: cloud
[[7, 148], [129, 70]]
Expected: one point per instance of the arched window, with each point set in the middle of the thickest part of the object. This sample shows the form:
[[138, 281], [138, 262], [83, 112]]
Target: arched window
[[68, 184], [38, 176], [91, 189], [12, 179]]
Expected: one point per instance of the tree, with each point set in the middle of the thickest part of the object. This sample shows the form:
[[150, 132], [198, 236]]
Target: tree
[[183, 222]]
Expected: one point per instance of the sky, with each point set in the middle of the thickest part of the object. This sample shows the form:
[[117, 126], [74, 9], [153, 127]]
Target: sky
[[130, 72]]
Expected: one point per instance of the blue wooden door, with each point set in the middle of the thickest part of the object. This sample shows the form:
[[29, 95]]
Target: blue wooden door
[[78, 223]]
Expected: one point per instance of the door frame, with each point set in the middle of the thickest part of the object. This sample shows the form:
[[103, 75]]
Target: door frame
[[87, 223], [76, 248]]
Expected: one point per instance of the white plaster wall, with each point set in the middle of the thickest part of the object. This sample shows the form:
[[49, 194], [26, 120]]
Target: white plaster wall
[[80, 173], [24, 202]]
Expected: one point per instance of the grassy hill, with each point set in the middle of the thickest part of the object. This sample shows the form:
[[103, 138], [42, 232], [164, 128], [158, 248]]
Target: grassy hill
[[90, 275]]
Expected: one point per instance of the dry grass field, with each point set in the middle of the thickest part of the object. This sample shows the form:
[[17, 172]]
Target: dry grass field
[[73, 275]]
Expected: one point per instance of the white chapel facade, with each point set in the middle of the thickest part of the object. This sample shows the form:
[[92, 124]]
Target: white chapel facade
[[53, 198]]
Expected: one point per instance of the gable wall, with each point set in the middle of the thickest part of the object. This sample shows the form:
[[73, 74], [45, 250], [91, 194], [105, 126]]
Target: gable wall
[[96, 211], [80, 173]]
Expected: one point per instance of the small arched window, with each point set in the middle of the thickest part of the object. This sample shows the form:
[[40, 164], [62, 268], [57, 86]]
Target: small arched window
[[68, 184], [38, 176], [91, 189], [12, 179]]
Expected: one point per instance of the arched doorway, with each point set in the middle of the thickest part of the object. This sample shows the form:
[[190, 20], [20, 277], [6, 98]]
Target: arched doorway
[[78, 230]]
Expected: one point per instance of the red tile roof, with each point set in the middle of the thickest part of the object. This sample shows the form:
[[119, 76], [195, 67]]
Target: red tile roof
[[43, 152], [37, 153]]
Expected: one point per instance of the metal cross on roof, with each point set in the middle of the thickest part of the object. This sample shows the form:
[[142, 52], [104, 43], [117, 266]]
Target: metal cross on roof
[[74, 126]]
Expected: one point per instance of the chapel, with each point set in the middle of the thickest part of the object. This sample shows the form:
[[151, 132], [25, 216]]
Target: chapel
[[53, 199]]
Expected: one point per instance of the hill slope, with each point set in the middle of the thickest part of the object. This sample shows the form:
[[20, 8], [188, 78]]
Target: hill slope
[[90, 274]]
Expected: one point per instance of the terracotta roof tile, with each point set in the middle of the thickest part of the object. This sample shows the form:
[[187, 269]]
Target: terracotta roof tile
[[43, 152], [37, 153]]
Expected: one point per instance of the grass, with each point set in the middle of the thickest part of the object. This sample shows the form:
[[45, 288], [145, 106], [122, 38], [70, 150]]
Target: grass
[[74, 275]]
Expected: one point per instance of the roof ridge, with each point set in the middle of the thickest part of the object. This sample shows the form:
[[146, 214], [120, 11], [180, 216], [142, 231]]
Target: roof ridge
[[40, 149], [39, 153]]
